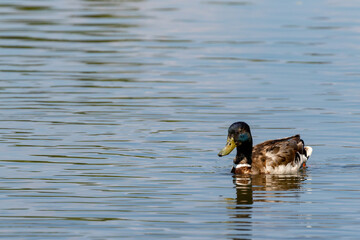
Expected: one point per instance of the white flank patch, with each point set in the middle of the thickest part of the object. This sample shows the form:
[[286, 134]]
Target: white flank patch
[[290, 168]]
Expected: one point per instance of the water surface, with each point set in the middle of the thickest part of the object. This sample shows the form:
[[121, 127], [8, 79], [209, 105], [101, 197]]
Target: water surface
[[112, 114]]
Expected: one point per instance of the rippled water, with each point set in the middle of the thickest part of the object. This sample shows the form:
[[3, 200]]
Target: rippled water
[[112, 114]]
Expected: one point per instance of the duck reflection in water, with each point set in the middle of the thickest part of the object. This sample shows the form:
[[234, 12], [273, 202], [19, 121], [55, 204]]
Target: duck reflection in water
[[259, 188]]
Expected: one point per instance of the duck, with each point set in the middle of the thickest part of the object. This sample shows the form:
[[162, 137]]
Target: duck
[[280, 156]]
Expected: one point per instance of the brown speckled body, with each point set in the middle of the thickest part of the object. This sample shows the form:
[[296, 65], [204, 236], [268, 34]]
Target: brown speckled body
[[276, 152]]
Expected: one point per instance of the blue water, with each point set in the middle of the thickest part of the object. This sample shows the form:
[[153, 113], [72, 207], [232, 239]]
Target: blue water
[[112, 114]]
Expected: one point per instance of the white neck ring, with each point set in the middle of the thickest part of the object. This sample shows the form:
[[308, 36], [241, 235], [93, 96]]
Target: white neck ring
[[243, 165]]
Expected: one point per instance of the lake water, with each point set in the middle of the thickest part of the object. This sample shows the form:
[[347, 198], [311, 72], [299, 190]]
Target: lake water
[[112, 114]]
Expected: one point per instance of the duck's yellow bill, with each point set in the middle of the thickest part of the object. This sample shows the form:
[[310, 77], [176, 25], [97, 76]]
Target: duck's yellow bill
[[230, 145]]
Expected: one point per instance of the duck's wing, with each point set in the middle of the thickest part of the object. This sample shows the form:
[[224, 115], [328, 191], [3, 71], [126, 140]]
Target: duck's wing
[[280, 156]]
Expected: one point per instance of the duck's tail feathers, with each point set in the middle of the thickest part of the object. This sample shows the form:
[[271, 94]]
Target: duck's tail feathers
[[308, 151]]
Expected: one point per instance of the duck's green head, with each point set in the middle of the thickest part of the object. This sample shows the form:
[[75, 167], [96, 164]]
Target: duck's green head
[[238, 135]]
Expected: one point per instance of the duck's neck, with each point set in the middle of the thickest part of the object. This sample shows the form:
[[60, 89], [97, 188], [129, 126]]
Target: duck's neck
[[243, 155]]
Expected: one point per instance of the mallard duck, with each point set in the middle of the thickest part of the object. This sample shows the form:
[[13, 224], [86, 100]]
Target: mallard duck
[[280, 156]]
